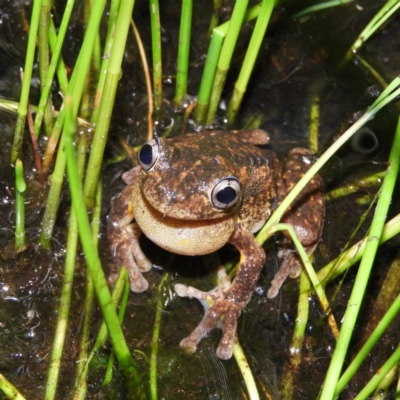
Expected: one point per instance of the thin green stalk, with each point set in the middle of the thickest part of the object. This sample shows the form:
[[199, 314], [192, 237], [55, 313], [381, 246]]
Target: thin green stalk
[[183, 52], [250, 59], [132, 378], [207, 80], [53, 198], [61, 70], [292, 366], [225, 57], [74, 90], [9, 389], [383, 389], [56, 44], [380, 374], [155, 338], [88, 303], [369, 344], [81, 383], [156, 51], [340, 265], [355, 186], [26, 82], [213, 54], [245, 370], [112, 21], [321, 6], [314, 125], [107, 101], [379, 19], [364, 270], [312, 275], [65, 299], [121, 314], [217, 4], [44, 61], [20, 187]]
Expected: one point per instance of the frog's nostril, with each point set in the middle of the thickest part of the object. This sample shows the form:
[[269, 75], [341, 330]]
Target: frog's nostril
[[225, 193]]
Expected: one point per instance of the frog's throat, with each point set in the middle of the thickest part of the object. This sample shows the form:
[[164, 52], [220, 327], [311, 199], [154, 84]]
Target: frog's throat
[[187, 237]]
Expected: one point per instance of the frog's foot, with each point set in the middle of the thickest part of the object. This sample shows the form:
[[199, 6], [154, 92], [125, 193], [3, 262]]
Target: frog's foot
[[219, 313], [126, 252], [223, 314], [290, 267]]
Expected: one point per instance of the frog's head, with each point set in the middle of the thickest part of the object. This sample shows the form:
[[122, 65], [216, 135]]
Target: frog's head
[[190, 179], [189, 194]]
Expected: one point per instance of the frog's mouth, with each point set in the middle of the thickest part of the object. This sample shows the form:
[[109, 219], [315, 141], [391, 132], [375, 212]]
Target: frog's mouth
[[187, 237]]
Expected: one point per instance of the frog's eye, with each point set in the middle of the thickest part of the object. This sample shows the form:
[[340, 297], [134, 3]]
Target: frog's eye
[[148, 154], [225, 193]]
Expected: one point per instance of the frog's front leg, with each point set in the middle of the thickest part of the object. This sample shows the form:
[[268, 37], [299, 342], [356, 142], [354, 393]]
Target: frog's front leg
[[228, 302], [123, 235]]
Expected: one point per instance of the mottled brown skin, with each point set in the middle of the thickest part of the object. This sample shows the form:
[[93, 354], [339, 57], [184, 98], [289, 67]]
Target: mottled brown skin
[[171, 205]]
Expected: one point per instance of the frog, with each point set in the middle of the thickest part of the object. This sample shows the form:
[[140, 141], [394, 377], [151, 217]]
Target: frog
[[193, 194]]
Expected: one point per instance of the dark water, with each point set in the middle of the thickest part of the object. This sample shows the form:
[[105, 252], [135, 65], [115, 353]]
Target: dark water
[[299, 60]]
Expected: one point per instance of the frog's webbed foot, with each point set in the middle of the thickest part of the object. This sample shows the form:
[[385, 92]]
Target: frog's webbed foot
[[123, 237]]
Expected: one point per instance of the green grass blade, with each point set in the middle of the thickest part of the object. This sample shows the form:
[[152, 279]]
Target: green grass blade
[[56, 46], [66, 291], [75, 89], [107, 101], [379, 19], [112, 21], [183, 52], [26, 82], [122, 352], [207, 80], [225, 57], [291, 368], [250, 59], [80, 383], [210, 67], [321, 6], [369, 344], [9, 390], [155, 338], [44, 61], [364, 270], [156, 52], [380, 374], [20, 187]]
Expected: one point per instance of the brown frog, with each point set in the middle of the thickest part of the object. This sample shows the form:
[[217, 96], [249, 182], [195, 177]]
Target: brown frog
[[193, 194]]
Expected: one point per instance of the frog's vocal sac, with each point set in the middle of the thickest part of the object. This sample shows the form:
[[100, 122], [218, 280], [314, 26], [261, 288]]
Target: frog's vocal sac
[[194, 193]]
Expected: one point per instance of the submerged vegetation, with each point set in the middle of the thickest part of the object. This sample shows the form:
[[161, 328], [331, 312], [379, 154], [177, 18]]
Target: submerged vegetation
[[64, 155]]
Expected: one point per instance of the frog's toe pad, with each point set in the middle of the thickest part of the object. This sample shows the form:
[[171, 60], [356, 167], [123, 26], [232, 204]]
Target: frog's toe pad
[[188, 345]]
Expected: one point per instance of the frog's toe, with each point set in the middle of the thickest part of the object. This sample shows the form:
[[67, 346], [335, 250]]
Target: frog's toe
[[188, 345], [138, 283], [189, 291]]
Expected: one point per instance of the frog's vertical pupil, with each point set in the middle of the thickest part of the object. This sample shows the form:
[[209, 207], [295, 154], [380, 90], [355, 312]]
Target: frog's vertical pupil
[[226, 195], [146, 154]]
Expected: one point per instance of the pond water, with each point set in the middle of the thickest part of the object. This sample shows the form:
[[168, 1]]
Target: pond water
[[299, 60]]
